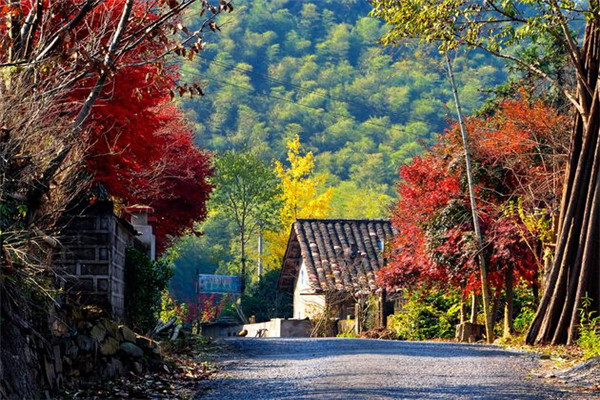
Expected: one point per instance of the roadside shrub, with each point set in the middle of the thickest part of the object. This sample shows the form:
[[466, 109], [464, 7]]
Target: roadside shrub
[[264, 301], [426, 315], [171, 308], [589, 330], [525, 305], [523, 320], [144, 282]]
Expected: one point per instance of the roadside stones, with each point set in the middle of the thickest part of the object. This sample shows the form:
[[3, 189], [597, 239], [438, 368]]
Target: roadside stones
[[71, 351], [143, 342], [59, 328], [138, 368], [98, 332], [102, 349], [85, 343], [156, 350], [128, 334], [131, 350], [469, 333], [113, 368], [109, 347], [112, 329]]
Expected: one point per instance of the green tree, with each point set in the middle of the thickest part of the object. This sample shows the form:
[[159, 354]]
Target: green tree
[[314, 69], [264, 301], [144, 282], [246, 192], [514, 30]]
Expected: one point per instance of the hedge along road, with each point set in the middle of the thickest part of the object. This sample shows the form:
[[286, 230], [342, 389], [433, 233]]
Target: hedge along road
[[374, 369]]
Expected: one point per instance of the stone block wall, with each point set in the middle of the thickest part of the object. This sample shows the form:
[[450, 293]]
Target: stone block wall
[[92, 261]]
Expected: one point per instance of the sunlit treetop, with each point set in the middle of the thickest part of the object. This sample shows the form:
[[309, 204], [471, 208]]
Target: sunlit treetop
[[493, 25], [498, 27]]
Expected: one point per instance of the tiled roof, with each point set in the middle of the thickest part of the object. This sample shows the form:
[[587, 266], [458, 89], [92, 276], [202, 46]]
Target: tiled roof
[[339, 254]]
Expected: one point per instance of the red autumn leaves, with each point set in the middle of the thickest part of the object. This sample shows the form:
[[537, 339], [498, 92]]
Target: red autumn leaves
[[141, 148], [143, 152], [516, 153]]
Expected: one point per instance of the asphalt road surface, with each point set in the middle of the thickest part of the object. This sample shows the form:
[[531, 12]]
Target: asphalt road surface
[[374, 369]]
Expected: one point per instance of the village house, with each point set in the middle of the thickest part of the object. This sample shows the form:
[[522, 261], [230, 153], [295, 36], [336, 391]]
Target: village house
[[331, 261]]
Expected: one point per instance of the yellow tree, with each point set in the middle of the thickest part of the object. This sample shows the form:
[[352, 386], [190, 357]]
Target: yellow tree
[[303, 196]]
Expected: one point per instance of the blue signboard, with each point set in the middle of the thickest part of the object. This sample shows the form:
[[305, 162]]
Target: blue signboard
[[221, 284]]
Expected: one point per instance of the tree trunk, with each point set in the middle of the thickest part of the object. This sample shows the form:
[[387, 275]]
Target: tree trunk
[[474, 308], [575, 270], [494, 312], [508, 304], [463, 310], [483, 268]]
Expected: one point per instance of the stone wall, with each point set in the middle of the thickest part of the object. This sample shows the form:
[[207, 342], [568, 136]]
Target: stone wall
[[92, 262], [88, 347]]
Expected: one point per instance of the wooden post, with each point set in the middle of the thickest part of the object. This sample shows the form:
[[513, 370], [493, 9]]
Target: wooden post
[[508, 306], [383, 309], [358, 317], [260, 252], [463, 310], [474, 308], [198, 331]]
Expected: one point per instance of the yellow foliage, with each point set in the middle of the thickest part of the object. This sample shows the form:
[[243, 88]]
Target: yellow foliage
[[302, 195], [352, 201]]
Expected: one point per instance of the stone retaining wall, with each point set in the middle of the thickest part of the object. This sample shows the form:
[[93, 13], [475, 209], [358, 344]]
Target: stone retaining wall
[[92, 348]]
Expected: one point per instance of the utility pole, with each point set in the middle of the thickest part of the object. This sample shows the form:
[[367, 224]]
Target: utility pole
[[260, 250], [489, 322]]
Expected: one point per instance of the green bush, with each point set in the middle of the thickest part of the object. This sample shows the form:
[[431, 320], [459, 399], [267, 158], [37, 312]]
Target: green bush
[[144, 282], [524, 307], [523, 319], [589, 330], [426, 315], [264, 301]]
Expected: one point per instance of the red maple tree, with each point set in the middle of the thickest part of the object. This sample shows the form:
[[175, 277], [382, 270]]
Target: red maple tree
[[516, 153], [141, 148], [143, 152]]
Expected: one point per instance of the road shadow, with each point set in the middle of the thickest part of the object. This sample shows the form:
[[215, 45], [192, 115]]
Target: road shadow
[[296, 348], [271, 389]]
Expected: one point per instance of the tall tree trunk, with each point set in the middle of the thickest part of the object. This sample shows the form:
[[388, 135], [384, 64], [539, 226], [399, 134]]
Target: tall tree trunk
[[474, 308], [483, 268], [508, 304], [575, 271], [495, 308]]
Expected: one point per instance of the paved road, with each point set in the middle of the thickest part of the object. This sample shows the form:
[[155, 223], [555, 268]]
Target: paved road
[[373, 369]]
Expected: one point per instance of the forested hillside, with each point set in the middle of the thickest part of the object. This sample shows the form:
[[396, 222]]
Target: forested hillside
[[314, 68]]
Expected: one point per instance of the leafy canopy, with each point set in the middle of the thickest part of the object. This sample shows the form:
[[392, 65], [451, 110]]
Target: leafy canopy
[[504, 28], [516, 154], [246, 189]]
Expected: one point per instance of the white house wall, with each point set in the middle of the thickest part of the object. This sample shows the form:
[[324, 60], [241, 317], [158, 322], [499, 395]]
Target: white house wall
[[306, 305]]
